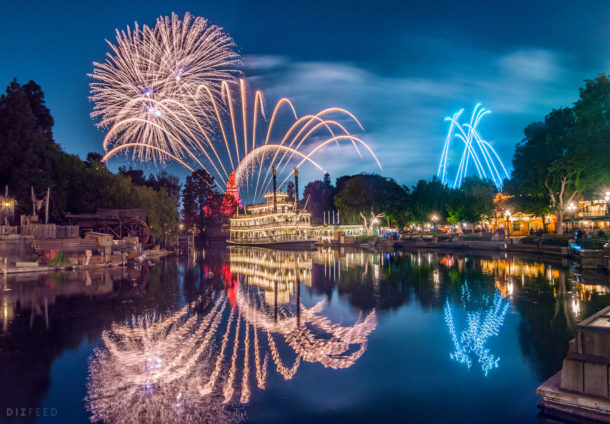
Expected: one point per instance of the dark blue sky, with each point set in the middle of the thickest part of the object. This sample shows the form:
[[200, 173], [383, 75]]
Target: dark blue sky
[[400, 67]]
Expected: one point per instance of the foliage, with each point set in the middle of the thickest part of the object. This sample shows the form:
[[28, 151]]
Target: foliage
[[59, 259], [364, 194], [473, 202], [31, 158], [318, 196], [290, 191], [162, 180], [198, 188], [563, 158], [429, 198]]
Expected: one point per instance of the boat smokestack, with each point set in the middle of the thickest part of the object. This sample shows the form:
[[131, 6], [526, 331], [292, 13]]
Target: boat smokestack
[[296, 189], [274, 191]]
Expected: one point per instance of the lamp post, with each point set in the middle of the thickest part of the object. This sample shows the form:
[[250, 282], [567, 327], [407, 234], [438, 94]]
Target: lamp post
[[607, 197], [572, 211], [507, 215], [434, 220]]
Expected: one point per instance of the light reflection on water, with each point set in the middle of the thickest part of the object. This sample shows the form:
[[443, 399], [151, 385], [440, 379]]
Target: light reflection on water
[[480, 326], [220, 336], [198, 359]]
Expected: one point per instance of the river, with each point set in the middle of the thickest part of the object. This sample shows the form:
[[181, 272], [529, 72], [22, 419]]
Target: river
[[249, 334]]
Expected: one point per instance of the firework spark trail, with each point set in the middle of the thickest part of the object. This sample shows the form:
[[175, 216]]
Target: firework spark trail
[[309, 119], [487, 167], [168, 61], [229, 389], [210, 384], [162, 93], [245, 385], [242, 169], [287, 373], [261, 370], [330, 140]]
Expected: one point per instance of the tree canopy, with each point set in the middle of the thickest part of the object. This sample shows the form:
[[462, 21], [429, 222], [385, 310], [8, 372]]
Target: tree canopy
[[566, 155], [31, 158]]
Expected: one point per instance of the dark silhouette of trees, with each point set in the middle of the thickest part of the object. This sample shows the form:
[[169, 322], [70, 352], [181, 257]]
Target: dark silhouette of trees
[[318, 196], [367, 194], [198, 189], [31, 158], [566, 156]]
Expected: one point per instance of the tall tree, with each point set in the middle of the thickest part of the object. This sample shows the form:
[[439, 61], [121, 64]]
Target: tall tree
[[318, 198], [370, 195], [564, 157], [198, 188], [290, 191], [428, 198]]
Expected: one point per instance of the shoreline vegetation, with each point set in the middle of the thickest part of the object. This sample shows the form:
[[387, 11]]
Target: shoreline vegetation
[[559, 161]]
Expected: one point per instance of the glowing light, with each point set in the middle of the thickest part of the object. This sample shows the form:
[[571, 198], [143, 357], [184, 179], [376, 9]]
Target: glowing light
[[480, 326], [160, 67], [167, 93], [487, 162], [153, 367]]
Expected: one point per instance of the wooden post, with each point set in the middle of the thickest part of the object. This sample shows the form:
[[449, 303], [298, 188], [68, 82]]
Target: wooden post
[[33, 201], [46, 206]]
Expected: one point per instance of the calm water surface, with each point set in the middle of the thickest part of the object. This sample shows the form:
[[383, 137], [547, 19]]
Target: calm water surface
[[256, 335]]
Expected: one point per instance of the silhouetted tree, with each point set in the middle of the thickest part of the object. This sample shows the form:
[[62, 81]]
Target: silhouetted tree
[[198, 188]]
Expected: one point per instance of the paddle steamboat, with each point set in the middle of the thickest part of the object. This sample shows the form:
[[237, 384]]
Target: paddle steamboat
[[278, 222]]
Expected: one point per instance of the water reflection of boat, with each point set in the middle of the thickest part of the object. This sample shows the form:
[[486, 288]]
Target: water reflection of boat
[[276, 272], [213, 350]]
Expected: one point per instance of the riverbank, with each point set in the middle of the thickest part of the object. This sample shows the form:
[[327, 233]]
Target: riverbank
[[585, 259], [20, 267]]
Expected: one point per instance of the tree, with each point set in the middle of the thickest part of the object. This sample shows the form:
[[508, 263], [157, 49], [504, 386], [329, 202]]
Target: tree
[[31, 158], [479, 195], [164, 180], [371, 195], [230, 200], [318, 196], [136, 175], [560, 159], [428, 198], [198, 188]]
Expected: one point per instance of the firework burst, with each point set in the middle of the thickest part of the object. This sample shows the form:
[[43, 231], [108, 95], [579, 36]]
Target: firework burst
[[167, 94], [147, 89]]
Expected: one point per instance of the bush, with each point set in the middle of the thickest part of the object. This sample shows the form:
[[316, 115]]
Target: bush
[[477, 237], [59, 259], [547, 239]]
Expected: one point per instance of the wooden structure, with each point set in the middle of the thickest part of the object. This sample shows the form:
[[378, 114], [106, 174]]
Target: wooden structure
[[582, 387], [117, 222]]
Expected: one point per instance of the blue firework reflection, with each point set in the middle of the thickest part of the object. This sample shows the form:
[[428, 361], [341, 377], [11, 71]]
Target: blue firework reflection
[[480, 326]]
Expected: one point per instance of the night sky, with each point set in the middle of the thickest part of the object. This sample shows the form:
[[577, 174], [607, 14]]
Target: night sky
[[400, 66]]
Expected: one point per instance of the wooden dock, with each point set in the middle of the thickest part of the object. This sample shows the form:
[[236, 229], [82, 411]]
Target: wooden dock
[[581, 390]]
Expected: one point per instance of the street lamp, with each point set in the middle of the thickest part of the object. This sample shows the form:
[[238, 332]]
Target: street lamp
[[571, 211], [434, 219], [507, 214], [607, 197]]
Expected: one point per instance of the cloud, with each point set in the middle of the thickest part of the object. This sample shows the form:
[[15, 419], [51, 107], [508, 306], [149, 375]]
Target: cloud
[[403, 112]]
